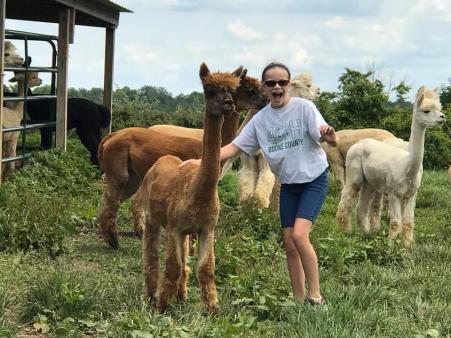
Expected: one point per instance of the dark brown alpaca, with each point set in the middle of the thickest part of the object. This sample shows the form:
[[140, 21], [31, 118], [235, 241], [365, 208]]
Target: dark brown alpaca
[[124, 173], [185, 200]]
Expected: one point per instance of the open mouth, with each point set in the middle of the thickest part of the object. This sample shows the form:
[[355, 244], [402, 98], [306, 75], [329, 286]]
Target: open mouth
[[277, 95]]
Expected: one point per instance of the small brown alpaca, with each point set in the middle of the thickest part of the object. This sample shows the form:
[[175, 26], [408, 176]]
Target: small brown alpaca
[[126, 155], [185, 200]]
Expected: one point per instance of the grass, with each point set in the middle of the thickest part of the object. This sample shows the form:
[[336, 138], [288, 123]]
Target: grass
[[372, 289]]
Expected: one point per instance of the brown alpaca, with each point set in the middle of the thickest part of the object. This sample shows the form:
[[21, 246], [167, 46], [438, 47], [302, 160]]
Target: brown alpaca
[[125, 156], [121, 176], [185, 200]]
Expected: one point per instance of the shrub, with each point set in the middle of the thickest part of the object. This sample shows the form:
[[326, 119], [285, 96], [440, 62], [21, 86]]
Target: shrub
[[34, 212]]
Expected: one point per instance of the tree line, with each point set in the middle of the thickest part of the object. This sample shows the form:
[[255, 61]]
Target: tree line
[[361, 101]]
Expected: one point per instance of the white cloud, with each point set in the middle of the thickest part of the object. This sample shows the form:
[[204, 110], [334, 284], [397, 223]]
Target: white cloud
[[434, 10], [140, 54], [335, 22], [301, 57], [243, 32]]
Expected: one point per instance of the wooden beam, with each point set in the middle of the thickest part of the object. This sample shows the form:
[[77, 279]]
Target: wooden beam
[[2, 59], [72, 14], [61, 89], [95, 9], [108, 74]]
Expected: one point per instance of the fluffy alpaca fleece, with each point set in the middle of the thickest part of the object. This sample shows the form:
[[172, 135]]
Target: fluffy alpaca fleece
[[374, 166], [125, 156], [303, 86], [255, 177], [13, 116], [184, 200], [336, 156], [11, 58]]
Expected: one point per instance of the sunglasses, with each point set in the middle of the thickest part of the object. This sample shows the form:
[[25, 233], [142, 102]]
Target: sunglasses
[[272, 83]]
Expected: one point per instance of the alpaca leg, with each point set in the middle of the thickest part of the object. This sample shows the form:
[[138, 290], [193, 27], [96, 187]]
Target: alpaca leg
[[275, 194], [394, 210], [9, 150], [46, 138], [265, 181], [375, 211], [339, 173], [151, 257], [182, 293], [363, 206], [247, 177], [138, 214], [206, 270], [109, 206], [343, 215], [89, 140], [168, 287], [408, 221]]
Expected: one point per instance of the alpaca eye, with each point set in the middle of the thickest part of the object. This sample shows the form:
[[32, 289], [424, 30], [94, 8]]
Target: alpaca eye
[[426, 111], [6, 54], [210, 93]]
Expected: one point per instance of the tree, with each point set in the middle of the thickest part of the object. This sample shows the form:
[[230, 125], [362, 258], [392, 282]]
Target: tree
[[361, 101]]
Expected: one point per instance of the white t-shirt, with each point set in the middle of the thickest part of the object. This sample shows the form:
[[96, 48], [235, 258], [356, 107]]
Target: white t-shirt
[[289, 138]]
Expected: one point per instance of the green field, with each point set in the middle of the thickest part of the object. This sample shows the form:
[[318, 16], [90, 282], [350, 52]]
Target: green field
[[58, 276]]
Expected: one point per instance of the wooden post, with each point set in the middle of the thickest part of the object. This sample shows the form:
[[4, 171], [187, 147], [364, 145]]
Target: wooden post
[[2, 59], [108, 75], [61, 89]]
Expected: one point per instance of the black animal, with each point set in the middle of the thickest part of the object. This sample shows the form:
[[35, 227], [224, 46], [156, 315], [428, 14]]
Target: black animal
[[86, 116]]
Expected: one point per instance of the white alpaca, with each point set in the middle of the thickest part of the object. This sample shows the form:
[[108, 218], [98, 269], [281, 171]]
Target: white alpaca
[[255, 177], [377, 167], [13, 117], [336, 156], [302, 86], [11, 58]]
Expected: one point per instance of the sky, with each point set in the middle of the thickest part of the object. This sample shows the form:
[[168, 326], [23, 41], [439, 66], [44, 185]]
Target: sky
[[163, 42]]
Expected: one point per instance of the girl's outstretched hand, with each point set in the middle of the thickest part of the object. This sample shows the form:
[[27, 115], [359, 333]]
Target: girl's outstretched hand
[[328, 134], [193, 161]]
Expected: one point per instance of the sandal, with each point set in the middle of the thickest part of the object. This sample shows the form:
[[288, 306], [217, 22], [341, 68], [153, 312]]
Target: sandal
[[316, 301]]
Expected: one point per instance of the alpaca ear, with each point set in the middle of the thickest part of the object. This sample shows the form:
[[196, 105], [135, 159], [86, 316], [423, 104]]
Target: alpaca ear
[[436, 91], [204, 71], [238, 71], [420, 94], [243, 74], [9, 45]]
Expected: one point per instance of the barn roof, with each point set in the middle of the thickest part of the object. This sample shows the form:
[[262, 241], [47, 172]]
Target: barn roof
[[97, 13]]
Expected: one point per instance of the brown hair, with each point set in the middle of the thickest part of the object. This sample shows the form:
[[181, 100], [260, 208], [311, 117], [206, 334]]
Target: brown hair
[[274, 65]]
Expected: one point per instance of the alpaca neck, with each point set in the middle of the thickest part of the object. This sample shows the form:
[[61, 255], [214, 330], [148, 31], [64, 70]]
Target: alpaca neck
[[18, 107], [229, 128], [209, 170], [416, 148]]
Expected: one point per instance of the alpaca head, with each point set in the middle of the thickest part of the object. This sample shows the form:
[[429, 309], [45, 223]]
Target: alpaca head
[[33, 78], [12, 59], [427, 110], [249, 94], [218, 90], [302, 86]]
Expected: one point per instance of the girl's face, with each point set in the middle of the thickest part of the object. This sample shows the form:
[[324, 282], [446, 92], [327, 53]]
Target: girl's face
[[276, 85]]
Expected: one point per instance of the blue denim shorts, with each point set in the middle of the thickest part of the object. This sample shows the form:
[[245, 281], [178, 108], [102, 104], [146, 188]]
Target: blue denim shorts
[[302, 200]]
